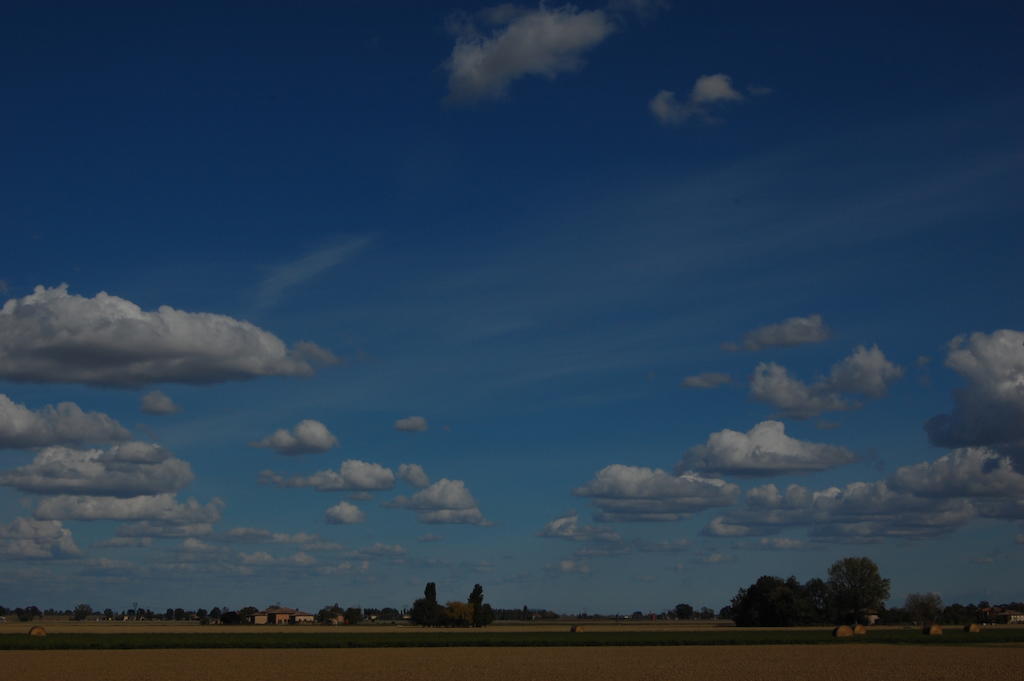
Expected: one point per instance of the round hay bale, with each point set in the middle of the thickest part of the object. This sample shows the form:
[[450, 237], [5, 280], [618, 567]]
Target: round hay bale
[[972, 628], [932, 630], [576, 628], [37, 631], [860, 630], [842, 631]]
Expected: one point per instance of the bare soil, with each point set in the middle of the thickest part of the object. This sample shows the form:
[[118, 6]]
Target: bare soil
[[724, 663]]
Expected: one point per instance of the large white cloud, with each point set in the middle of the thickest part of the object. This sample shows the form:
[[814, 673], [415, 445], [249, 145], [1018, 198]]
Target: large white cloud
[[125, 470], [989, 410], [445, 501], [866, 371], [353, 474], [968, 472], [785, 334], [707, 91], [159, 508], [639, 493], [51, 336], [858, 511], [28, 538], [63, 424], [307, 437], [520, 42], [764, 450]]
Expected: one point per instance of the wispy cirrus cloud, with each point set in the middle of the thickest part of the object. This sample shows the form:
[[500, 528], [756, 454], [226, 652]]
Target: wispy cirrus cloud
[[287, 276]]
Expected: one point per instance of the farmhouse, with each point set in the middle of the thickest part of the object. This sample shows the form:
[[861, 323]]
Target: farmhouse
[[275, 614]]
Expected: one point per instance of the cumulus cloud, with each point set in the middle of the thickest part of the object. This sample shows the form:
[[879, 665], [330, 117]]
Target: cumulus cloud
[[28, 538], [708, 92], [156, 402], [764, 450], [344, 513], [624, 493], [445, 501], [866, 371], [413, 474], [125, 470], [708, 379], [569, 527], [858, 511], [378, 550], [989, 409], [781, 543], [160, 508], [785, 334], [63, 424], [193, 545], [51, 336], [518, 42], [352, 475], [307, 437], [411, 424], [968, 472]]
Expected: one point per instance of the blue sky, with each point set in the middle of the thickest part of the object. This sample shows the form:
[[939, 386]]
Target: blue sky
[[673, 292]]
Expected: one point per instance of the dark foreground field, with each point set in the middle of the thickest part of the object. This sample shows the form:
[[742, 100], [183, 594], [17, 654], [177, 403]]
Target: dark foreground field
[[623, 663], [332, 638]]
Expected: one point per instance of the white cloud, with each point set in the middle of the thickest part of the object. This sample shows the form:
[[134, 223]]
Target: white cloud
[[568, 527], [638, 493], [28, 538], [161, 508], [148, 528], [413, 474], [428, 538], [194, 545], [50, 336], [720, 527], [411, 424], [344, 513], [708, 379], [445, 501], [156, 402], [968, 472], [307, 437], [571, 567], [124, 543], [352, 475], [858, 511], [63, 424], [764, 450], [714, 558], [989, 410], [785, 334], [707, 91], [301, 559], [127, 470], [866, 371], [526, 42]]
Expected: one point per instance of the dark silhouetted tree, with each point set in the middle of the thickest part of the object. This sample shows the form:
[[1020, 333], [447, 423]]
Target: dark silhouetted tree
[[856, 586]]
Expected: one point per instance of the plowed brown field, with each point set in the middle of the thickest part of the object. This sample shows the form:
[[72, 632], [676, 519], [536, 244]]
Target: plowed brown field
[[720, 663]]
